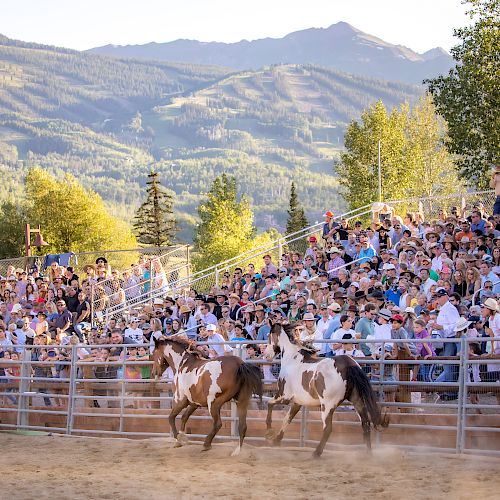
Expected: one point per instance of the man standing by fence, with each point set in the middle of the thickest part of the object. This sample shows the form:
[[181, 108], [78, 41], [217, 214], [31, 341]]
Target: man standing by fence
[[445, 323]]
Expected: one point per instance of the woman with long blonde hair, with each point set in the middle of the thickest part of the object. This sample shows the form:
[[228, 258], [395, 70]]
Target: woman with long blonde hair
[[473, 280]]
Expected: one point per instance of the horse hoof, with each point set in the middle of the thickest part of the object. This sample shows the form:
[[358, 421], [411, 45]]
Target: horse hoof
[[270, 435], [316, 455], [182, 438], [206, 448], [236, 452], [276, 442], [177, 444]]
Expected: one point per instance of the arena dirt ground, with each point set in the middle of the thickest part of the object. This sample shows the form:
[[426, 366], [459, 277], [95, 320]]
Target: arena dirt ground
[[46, 467]]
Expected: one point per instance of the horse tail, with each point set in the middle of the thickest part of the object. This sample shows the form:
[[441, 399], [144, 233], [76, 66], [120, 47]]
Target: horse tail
[[250, 378], [358, 380]]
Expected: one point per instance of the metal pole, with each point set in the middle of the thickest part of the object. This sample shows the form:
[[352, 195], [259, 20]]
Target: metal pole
[[280, 251], [24, 395], [188, 261], [462, 395], [92, 297], [379, 175], [71, 389], [122, 391], [216, 277], [234, 412]]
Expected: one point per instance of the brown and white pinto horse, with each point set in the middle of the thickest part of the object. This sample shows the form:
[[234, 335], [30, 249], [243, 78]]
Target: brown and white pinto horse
[[306, 380], [209, 383]]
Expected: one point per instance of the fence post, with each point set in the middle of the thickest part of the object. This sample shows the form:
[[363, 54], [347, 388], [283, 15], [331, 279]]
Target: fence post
[[216, 276], [24, 395], [303, 427], [462, 395], [72, 389], [234, 413]]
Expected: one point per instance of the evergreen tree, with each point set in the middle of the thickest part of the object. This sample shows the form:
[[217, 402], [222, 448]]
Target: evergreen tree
[[468, 97], [154, 223], [226, 228], [297, 219]]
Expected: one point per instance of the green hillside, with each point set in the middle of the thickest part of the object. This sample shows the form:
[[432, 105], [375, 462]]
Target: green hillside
[[106, 120]]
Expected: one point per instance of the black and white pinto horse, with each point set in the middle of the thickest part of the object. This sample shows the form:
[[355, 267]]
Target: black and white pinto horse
[[306, 380]]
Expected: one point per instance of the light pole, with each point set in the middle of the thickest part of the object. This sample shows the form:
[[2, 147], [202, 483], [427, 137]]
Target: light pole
[[379, 175]]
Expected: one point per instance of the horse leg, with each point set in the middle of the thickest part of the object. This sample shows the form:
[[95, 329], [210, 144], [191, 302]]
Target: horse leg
[[365, 420], [326, 416], [270, 435], [215, 412], [176, 409], [185, 417], [293, 410], [242, 407]]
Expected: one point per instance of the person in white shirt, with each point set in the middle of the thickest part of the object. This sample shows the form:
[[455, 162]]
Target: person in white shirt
[[427, 282], [215, 350], [489, 311], [309, 332], [134, 332], [348, 348], [345, 328], [322, 326], [446, 321], [382, 330]]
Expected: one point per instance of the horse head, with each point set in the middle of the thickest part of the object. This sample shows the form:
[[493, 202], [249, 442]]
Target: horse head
[[274, 346]]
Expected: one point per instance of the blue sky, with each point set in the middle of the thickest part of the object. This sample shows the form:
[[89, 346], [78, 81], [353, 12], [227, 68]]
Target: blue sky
[[420, 24]]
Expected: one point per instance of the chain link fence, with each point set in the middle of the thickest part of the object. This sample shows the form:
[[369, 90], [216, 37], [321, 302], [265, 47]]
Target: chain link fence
[[117, 259]]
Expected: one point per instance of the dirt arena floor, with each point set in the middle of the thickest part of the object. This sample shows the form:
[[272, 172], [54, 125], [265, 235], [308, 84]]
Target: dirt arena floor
[[93, 468]]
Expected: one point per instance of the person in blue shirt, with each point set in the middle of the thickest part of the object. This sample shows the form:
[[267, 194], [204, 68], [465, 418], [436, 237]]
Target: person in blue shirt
[[367, 251]]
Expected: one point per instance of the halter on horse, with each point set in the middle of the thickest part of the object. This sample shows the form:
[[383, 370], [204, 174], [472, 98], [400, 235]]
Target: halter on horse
[[209, 383], [306, 380]]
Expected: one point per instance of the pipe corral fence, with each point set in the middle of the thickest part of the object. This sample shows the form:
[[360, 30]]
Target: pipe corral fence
[[74, 393]]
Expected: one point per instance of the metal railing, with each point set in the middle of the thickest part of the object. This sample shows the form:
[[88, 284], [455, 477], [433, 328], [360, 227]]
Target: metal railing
[[111, 298], [118, 397]]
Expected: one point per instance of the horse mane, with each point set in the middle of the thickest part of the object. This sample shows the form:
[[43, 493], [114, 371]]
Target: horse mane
[[188, 345]]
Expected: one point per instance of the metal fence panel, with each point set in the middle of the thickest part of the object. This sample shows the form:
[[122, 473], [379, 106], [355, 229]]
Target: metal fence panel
[[91, 396]]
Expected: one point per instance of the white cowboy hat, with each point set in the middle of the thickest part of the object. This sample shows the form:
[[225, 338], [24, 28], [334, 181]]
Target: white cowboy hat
[[462, 324], [309, 317], [491, 304]]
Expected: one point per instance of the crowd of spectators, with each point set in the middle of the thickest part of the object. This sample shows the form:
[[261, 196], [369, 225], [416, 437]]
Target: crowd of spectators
[[392, 278]]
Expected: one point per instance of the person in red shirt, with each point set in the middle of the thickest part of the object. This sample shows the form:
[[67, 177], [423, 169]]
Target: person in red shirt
[[465, 231]]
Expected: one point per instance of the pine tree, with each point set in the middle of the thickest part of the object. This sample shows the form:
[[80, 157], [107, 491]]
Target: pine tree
[[226, 228], [154, 223], [297, 219]]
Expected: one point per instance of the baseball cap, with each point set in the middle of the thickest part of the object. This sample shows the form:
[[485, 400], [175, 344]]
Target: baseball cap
[[328, 214], [398, 318], [211, 328], [440, 292], [335, 307]]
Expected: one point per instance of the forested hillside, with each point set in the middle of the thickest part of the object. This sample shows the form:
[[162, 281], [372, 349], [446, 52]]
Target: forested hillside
[[107, 120]]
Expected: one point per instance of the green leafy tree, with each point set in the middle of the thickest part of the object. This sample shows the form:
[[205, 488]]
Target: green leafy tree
[[72, 218], [226, 228], [154, 222], [297, 219], [469, 97], [414, 158], [12, 221]]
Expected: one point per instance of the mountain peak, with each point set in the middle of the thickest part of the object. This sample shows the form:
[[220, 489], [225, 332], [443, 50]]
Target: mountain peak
[[341, 46], [434, 54]]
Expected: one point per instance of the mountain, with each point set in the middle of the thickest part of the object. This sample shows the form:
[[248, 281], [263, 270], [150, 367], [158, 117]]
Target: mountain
[[341, 47], [107, 120]]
